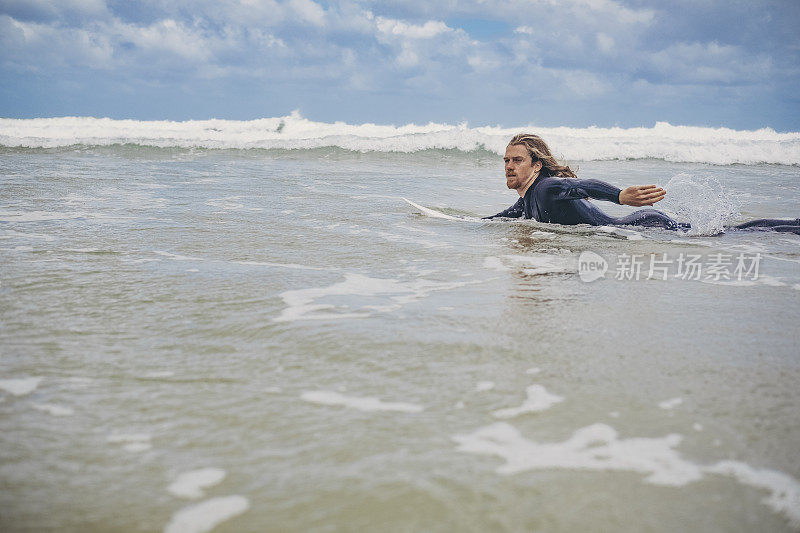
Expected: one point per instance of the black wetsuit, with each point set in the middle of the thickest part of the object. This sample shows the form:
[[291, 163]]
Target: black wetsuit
[[564, 201], [773, 224]]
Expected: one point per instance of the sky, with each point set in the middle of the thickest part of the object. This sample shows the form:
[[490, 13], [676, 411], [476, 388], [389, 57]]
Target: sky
[[578, 63]]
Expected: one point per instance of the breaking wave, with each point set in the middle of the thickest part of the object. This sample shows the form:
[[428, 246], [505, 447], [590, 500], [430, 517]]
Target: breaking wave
[[718, 146]]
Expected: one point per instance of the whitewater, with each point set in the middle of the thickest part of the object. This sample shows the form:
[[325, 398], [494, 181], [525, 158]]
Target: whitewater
[[719, 146], [243, 326]]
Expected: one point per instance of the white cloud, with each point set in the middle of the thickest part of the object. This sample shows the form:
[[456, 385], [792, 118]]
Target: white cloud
[[479, 61], [166, 37], [36, 46], [309, 11], [708, 63], [430, 29], [427, 55], [407, 58], [42, 10], [605, 42], [615, 10]]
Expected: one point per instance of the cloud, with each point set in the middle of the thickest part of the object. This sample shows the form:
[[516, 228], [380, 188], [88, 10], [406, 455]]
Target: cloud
[[431, 28], [36, 46], [605, 42], [583, 83], [431, 47], [709, 63], [165, 38], [48, 11], [593, 51], [236, 36], [613, 10], [309, 11]]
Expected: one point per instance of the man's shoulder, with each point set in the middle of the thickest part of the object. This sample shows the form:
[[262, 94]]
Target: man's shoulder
[[555, 179], [548, 182]]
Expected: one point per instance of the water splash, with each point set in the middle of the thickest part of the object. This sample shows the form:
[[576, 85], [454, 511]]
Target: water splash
[[701, 201]]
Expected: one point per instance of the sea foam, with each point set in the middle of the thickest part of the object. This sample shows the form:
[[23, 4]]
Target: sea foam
[[598, 448], [394, 294], [671, 403], [362, 404], [190, 485], [131, 442], [538, 400], [665, 141], [207, 515], [20, 387], [538, 264], [54, 410]]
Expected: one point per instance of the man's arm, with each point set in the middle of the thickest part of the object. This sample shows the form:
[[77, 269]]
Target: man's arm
[[515, 211], [575, 189], [638, 195]]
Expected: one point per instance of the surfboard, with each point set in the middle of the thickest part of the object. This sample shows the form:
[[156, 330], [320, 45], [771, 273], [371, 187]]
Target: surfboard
[[433, 213]]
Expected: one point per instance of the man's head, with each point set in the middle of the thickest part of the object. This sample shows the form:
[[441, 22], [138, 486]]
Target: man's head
[[539, 158]]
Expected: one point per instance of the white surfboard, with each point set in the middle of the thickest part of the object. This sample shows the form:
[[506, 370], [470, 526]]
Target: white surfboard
[[428, 212]]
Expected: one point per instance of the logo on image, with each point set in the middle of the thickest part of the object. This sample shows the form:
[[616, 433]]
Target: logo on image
[[591, 266]]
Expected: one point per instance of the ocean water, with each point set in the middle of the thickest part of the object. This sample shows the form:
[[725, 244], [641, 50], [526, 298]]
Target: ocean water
[[242, 326]]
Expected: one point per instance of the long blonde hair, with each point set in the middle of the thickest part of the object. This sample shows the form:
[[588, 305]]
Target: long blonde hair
[[539, 151]]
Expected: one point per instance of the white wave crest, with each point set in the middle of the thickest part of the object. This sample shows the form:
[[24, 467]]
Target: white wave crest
[[720, 146]]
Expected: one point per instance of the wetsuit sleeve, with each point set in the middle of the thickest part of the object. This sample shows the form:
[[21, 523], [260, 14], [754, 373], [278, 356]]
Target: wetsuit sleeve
[[515, 211], [573, 189]]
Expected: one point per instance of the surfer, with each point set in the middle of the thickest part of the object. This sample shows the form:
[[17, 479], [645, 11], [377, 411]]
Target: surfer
[[550, 192]]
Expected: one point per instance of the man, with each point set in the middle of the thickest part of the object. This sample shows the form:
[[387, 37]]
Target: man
[[550, 192]]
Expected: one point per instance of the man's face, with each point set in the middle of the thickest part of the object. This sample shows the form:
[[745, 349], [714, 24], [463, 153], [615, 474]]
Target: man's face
[[519, 167]]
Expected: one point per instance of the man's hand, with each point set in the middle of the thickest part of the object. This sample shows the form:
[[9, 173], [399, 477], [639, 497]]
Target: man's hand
[[640, 195]]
